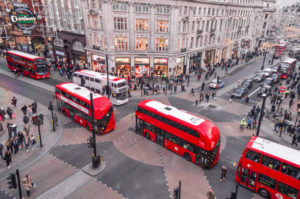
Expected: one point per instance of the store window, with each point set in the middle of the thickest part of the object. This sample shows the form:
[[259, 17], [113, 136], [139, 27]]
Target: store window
[[142, 66], [121, 43], [141, 25], [162, 26], [160, 66], [141, 43], [161, 44], [123, 67], [120, 23]]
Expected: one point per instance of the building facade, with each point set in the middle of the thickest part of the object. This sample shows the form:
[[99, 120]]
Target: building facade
[[26, 34], [65, 18], [169, 37]]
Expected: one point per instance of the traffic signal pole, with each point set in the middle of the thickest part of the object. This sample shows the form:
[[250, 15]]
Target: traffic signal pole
[[19, 183], [107, 87]]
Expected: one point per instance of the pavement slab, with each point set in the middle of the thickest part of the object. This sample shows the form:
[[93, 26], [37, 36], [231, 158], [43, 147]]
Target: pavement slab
[[193, 180], [94, 190]]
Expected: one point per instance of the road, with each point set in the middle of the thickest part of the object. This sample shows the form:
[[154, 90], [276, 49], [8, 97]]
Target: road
[[133, 161]]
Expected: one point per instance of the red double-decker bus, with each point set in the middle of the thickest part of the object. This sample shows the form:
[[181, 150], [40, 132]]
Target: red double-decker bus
[[271, 169], [286, 67], [28, 64], [279, 50], [194, 138], [74, 102]]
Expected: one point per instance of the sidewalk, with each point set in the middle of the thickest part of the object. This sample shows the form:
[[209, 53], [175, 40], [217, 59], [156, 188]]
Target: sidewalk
[[23, 160], [194, 82]]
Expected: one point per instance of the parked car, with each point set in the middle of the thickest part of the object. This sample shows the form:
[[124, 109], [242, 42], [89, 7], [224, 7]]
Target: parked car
[[264, 89], [247, 83], [267, 72], [216, 84], [239, 92], [275, 78], [259, 77]]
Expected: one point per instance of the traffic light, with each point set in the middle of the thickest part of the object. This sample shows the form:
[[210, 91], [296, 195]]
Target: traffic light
[[90, 142], [11, 181]]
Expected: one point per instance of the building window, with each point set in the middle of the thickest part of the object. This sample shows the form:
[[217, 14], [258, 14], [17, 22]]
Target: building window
[[120, 6], [204, 11], [213, 12], [141, 43], [141, 25], [142, 8], [192, 41], [193, 26], [161, 44], [221, 24], [185, 10], [207, 25], [58, 42], [162, 26], [121, 43], [205, 40], [265, 24], [201, 39], [208, 12], [163, 10], [120, 23], [199, 11], [266, 16], [194, 11]]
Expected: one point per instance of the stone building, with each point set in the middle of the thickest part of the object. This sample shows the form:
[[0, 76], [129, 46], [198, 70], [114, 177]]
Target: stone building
[[65, 18], [168, 37]]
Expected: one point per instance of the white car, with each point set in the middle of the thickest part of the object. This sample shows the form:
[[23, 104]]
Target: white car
[[216, 84], [267, 72]]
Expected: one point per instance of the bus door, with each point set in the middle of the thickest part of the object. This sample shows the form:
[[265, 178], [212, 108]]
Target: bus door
[[247, 177]]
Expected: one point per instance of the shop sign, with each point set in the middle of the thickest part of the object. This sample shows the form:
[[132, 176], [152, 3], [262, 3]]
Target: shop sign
[[140, 60], [122, 60], [161, 61], [180, 60], [246, 43], [22, 17], [60, 53], [97, 57]]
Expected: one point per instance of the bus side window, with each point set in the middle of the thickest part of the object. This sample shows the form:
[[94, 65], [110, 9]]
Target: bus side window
[[86, 78], [92, 79], [254, 156], [270, 162], [290, 170], [287, 190]]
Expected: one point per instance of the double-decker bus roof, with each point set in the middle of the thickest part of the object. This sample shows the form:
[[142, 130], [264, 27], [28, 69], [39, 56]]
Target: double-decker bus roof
[[176, 113], [277, 150], [30, 56], [102, 76], [79, 90], [289, 60]]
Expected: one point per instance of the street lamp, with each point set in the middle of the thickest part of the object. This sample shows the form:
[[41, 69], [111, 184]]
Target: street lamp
[[95, 159], [50, 107], [39, 122], [263, 65], [264, 95], [107, 87]]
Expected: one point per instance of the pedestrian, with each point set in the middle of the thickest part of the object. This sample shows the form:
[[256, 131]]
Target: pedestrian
[[27, 142], [7, 158], [195, 102], [1, 150], [15, 144], [223, 173], [249, 122], [9, 111], [210, 194], [230, 99], [192, 92], [213, 95], [24, 109], [8, 145], [32, 141], [1, 127], [27, 184], [14, 101], [295, 140]]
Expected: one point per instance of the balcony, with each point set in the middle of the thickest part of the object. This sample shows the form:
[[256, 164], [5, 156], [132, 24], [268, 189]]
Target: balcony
[[269, 9], [199, 32], [96, 47], [183, 50]]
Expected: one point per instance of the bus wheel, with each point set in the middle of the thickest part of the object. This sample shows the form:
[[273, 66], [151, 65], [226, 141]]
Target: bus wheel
[[187, 156], [147, 136], [264, 193]]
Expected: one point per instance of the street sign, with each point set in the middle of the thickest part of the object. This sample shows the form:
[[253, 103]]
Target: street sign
[[282, 89]]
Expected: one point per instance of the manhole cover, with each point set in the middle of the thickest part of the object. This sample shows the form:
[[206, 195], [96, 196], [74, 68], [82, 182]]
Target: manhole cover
[[212, 106]]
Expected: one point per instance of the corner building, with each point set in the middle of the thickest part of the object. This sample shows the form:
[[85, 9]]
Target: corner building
[[168, 37]]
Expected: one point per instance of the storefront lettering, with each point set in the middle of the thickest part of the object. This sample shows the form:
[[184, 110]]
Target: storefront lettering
[[141, 60], [123, 60], [23, 18], [161, 61]]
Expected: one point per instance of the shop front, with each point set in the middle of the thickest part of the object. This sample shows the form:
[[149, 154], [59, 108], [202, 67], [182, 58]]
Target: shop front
[[179, 65], [195, 62], [98, 63], [123, 67], [60, 56], [38, 45], [210, 57], [160, 67], [142, 66], [79, 59], [79, 55], [235, 50]]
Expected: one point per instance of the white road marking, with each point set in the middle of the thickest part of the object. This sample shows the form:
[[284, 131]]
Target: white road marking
[[253, 92]]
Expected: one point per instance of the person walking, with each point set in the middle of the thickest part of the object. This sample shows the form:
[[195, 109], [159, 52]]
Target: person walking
[[14, 101], [295, 140], [223, 173], [1, 150], [7, 158], [24, 109], [27, 142], [210, 194], [32, 141], [27, 184]]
